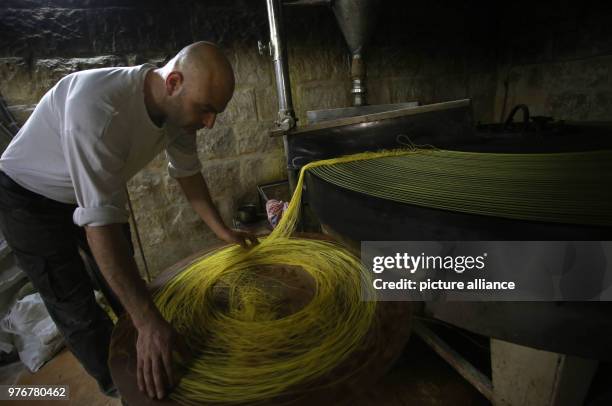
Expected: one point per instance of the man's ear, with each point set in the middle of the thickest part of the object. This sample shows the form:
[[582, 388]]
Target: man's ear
[[174, 83]]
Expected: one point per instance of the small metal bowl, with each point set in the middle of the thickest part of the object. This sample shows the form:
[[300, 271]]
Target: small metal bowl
[[247, 213]]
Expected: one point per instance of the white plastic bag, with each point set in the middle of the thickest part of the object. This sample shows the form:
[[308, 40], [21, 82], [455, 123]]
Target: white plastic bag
[[35, 335], [12, 280]]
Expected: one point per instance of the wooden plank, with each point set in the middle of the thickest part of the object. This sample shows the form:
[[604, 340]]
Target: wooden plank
[[482, 383]]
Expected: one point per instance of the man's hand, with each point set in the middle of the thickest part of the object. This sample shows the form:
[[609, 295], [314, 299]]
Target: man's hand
[[196, 191], [244, 238], [155, 367], [156, 338]]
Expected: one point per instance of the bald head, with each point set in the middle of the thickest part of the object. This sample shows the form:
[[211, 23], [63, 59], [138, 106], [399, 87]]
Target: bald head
[[199, 82], [203, 61]]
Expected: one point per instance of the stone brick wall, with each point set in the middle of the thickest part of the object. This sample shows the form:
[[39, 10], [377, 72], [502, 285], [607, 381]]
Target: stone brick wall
[[556, 59], [433, 53]]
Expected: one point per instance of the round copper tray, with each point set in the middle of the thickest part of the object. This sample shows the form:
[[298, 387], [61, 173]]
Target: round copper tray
[[392, 333]]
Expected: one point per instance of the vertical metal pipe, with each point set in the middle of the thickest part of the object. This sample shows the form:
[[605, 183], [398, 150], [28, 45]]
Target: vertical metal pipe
[[358, 80], [286, 116]]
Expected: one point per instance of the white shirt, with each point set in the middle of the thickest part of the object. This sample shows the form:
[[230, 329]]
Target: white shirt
[[87, 137]]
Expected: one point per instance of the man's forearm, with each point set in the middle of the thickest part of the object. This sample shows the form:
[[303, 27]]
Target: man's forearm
[[110, 249], [195, 189]]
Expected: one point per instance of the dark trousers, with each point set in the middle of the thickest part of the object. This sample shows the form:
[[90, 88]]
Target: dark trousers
[[46, 243]]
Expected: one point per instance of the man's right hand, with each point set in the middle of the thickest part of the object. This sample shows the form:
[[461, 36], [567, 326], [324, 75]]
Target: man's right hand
[[155, 367], [156, 338]]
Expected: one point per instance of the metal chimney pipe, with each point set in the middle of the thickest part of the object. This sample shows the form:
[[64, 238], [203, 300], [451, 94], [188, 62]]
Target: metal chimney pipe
[[286, 116]]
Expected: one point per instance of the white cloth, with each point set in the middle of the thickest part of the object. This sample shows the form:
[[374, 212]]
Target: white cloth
[[34, 334], [87, 137]]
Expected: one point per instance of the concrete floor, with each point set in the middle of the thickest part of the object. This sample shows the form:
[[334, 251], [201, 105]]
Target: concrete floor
[[419, 378], [64, 369]]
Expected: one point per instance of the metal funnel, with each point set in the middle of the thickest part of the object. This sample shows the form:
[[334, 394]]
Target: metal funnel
[[357, 19]]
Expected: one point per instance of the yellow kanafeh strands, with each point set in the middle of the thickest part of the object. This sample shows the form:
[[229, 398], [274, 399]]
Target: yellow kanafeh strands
[[243, 351]]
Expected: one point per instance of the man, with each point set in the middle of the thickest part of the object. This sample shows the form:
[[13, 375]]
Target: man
[[66, 171]]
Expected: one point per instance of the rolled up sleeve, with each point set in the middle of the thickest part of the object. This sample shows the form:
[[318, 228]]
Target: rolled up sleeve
[[96, 172], [182, 156], [99, 216]]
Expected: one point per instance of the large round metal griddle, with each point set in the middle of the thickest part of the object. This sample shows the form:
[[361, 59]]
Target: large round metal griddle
[[391, 332], [578, 328]]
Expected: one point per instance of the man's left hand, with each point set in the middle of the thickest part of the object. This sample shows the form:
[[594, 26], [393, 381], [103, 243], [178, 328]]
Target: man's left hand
[[244, 238]]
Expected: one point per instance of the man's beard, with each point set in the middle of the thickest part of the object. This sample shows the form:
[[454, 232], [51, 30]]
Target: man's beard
[[174, 121]]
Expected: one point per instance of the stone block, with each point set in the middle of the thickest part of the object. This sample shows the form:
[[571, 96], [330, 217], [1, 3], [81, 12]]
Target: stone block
[[151, 228], [591, 106], [386, 62], [525, 50], [159, 163], [250, 68], [419, 89], [26, 83], [139, 59], [482, 91], [259, 169], [42, 30], [15, 77], [574, 90], [172, 190], [570, 106], [442, 60], [47, 72], [29, 4], [227, 207], [218, 142], [181, 217], [601, 106], [526, 85], [236, 23], [530, 377], [321, 95], [583, 42], [452, 87], [378, 91], [147, 191], [592, 73], [48, 31], [222, 177], [251, 138], [22, 112], [267, 103], [318, 63], [240, 108], [184, 232], [61, 67], [312, 27]]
